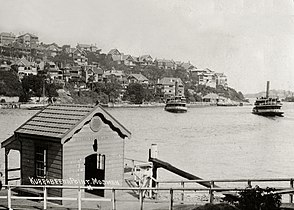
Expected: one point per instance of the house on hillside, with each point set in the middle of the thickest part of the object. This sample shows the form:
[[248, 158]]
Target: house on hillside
[[28, 39], [53, 71], [165, 64], [138, 78], [7, 38], [145, 60], [67, 145], [204, 77], [87, 47], [79, 57], [128, 60], [92, 73], [52, 49], [167, 86], [221, 79], [187, 66], [115, 55], [25, 68]]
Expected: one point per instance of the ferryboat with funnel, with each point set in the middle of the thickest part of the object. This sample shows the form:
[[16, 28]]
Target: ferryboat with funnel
[[176, 103], [268, 106]]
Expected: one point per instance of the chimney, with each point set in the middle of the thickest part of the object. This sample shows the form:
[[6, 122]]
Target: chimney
[[267, 89]]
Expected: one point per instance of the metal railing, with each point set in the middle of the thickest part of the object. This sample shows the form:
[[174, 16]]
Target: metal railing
[[141, 191], [249, 183]]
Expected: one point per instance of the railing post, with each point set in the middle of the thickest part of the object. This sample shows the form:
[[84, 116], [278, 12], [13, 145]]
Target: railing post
[[9, 198], [113, 200], [183, 192], [291, 195], [249, 183], [211, 197], [45, 197], [79, 199], [171, 199], [141, 198], [156, 193]]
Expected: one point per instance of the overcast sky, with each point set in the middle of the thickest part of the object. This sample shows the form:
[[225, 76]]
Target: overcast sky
[[250, 41]]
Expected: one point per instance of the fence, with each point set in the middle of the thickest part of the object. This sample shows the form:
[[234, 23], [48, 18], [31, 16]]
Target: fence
[[141, 191]]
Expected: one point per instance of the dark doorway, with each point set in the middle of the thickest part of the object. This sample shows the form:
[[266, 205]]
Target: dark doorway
[[95, 173]]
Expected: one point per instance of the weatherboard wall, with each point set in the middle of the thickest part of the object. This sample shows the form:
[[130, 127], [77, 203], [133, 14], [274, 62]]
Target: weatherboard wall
[[80, 146], [54, 159]]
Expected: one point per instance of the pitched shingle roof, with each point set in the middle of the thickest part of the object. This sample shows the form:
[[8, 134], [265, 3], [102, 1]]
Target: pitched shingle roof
[[139, 77], [62, 121]]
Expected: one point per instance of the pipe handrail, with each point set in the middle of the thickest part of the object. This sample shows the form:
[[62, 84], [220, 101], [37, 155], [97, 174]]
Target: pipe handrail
[[113, 200], [228, 180]]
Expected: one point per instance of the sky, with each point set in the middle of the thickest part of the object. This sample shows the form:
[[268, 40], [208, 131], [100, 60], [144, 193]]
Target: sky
[[250, 41]]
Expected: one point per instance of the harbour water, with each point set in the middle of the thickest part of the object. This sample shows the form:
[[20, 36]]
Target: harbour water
[[210, 142]]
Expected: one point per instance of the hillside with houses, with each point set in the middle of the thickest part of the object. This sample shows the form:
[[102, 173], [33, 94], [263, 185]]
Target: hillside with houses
[[30, 68]]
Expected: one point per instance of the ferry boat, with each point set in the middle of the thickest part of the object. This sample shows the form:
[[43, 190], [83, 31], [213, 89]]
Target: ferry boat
[[267, 106], [176, 104]]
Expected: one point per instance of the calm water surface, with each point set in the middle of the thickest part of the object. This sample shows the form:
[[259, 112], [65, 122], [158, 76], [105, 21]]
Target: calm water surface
[[210, 142]]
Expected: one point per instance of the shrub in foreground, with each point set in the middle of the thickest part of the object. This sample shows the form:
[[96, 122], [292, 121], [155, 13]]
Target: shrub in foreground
[[256, 199]]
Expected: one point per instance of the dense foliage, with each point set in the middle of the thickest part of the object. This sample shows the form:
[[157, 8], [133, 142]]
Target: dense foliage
[[10, 84], [37, 86], [256, 199], [135, 93]]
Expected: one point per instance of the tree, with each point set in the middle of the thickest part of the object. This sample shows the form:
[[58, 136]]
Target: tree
[[112, 90], [10, 84], [32, 85], [135, 93]]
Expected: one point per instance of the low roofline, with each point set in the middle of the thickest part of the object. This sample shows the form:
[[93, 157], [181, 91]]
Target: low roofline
[[7, 141]]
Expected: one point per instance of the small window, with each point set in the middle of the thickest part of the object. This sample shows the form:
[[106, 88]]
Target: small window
[[40, 161]]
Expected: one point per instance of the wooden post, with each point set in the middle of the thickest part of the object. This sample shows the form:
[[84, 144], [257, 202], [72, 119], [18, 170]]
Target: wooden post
[[154, 151], [249, 183], [6, 166], [79, 199], [211, 192], [45, 197], [113, 200], [183, 192], [141, 199], [171, 199], [9, 198], [291, 195]]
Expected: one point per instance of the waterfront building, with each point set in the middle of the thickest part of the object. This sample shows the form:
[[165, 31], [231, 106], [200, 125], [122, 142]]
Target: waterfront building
[[67, 145], [211, 98], [167, 87]]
